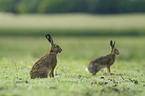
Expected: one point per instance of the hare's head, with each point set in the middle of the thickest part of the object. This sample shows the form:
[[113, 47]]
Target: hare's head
[[54, 48], [113, 49]]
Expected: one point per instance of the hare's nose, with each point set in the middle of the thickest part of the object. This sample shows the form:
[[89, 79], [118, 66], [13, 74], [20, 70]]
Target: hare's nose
[[60, 50], [118, 53]]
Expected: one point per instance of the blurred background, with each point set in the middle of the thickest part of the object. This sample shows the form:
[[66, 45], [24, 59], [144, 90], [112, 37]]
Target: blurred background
[[71, 6], [72, 17], [24, 23]]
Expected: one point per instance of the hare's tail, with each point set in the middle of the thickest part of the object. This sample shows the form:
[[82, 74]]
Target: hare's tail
[[87, 70]]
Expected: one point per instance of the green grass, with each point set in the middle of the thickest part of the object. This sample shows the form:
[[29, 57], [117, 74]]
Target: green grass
[[72, 24], [18, 54]]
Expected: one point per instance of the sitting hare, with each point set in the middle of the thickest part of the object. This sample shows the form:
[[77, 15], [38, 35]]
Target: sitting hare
[[46, 63], [104, 61]]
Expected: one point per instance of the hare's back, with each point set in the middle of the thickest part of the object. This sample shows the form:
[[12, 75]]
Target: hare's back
[[101, 59], [47, 60]]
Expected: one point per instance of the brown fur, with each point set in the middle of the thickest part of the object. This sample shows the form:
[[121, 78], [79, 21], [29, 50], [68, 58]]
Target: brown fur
[[46, 63], [104, 61]]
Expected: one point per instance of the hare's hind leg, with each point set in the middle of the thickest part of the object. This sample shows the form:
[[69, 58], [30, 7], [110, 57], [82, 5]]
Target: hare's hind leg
[[34, 74], [93, 74], [43, 74]]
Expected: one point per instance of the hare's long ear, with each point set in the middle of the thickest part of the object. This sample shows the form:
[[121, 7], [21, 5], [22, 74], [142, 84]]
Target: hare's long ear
[[49, 38], [111, 44]]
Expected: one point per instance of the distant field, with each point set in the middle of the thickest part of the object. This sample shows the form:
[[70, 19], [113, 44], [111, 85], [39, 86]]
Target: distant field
[[72, 24], [18, 54]]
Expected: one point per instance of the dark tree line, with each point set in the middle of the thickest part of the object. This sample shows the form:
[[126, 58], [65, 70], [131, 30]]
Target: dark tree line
[[65, 6]]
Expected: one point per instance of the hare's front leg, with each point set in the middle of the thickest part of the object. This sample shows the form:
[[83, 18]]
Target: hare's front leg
[[108, 69], [52, 73]]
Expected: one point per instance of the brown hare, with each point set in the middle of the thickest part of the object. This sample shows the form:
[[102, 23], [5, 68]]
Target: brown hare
[[104, 61], [46, 63]]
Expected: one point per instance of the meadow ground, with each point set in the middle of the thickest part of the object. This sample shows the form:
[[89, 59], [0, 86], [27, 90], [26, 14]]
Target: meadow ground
[[18, 54]]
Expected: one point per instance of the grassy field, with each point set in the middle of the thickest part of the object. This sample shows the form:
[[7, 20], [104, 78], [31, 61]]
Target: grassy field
[[18, 54], [72, 24]]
